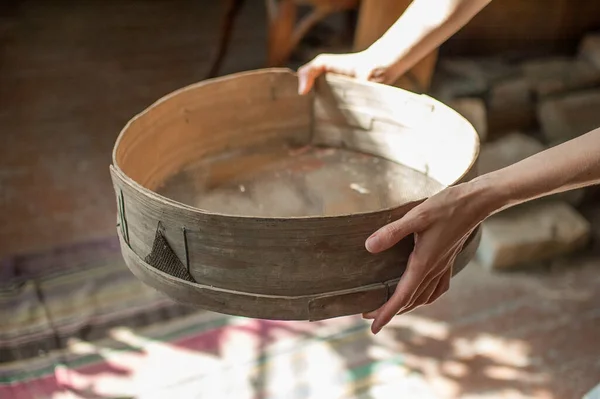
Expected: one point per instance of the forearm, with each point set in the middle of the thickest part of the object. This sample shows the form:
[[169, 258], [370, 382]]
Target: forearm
[[568, 166], [423, 27]]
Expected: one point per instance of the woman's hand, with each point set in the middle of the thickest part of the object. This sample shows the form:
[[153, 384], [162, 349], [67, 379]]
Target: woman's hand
[[419, 30], [441, 225], [355, 65]]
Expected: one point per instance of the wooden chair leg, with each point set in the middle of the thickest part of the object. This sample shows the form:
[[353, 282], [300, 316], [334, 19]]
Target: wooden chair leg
[[305, 25], [232, 10], [285, 35]]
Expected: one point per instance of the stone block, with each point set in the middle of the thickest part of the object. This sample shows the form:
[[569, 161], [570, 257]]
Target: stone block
[[589, 49], [544, 68], [565, 118], [556, 75], [511, 106], [473, 109], [513, 91], [487, 70], [467, 77], [506, 151], [592, 214], [446, 87], [572, 197], [531, 233]]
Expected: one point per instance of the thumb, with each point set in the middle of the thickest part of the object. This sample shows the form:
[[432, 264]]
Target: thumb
[[391, 234], [307, 75]]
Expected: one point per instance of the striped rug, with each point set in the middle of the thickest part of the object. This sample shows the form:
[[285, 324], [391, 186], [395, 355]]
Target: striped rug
[[76, 324]]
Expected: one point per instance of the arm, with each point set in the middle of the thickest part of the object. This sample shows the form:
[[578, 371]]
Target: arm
[[423, 27], [442, 223], [571, 165]]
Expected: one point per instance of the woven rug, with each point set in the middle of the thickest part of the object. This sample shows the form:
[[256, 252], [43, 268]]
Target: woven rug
[[77, 324]]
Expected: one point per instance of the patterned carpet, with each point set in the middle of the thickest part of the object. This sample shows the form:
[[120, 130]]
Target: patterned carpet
[[77, 324]]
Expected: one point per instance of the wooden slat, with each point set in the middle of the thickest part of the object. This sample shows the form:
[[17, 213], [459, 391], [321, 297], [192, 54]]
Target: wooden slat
[[414, 130], [305, 307]]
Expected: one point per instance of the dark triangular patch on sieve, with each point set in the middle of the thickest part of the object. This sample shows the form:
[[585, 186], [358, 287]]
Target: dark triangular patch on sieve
[[164, 259]]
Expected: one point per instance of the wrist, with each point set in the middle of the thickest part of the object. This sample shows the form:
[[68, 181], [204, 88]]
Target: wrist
[[486, 195], [380, 59]]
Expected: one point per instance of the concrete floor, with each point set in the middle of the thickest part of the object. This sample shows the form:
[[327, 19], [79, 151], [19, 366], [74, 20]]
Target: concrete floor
[[73, 73]]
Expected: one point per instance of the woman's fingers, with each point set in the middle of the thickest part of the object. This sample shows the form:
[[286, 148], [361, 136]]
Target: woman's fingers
[[408, 284], [307, 75], [444, 283], [412, 278], [432, 291], [442, 287], [424, 296], [435, 289], [428, 286], [433, 285], [343, 64], [390, 234], [356, 65], [372, 314]]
